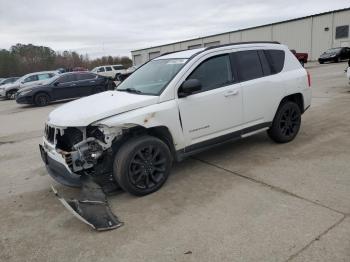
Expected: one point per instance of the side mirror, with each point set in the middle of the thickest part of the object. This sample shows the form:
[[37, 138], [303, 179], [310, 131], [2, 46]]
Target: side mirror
[[189, 86], [56, 83]]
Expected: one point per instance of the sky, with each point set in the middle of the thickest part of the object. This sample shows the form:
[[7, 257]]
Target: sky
[[108, 27]]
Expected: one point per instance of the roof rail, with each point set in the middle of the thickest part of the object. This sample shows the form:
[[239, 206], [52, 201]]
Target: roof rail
[[168, 53], [242, 43]]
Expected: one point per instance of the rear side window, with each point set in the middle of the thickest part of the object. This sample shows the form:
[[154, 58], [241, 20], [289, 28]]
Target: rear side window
[[85, 76], [213, 72], [248, 65], [43, 76], [67, 78], [31, 79], [275, 59]]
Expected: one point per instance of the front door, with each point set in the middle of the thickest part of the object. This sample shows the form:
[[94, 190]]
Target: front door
[[215, 110], [66, 87]]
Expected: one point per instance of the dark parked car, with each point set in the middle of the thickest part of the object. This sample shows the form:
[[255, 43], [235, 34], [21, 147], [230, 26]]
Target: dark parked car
[[335, 55], [64, 86]]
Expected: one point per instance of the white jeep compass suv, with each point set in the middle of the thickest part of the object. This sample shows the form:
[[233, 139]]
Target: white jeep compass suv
[[172, 107]]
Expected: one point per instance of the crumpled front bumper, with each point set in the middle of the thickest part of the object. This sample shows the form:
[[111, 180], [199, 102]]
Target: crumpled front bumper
[[57, 167]]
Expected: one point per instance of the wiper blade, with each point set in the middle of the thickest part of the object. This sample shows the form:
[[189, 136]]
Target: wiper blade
[[131, 90]]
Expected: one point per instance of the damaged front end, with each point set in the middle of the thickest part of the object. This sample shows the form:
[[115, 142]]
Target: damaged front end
[[80, 150], [83, 157]]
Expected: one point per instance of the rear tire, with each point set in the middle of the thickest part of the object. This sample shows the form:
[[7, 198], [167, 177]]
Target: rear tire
[[142, 165], [286, 124], [10, 95], [41, 99]]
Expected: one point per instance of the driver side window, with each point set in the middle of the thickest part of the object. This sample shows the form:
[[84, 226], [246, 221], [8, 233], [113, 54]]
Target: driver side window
[[213, 73]]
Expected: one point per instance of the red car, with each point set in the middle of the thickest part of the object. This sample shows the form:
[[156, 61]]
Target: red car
[[302, 57]]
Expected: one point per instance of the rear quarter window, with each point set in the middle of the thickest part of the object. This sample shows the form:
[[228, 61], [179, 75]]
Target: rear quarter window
[[276, 60]]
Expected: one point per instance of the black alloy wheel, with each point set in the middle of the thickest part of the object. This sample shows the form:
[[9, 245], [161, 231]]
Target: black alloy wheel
[[289, 122], [147, 168], [142, 165], [286, 123], [41, 99]]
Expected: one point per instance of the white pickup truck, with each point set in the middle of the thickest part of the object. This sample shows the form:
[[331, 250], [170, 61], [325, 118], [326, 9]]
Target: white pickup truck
[[172, 107]]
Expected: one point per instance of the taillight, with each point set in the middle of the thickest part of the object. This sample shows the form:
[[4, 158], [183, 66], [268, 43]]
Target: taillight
[[308, 78]]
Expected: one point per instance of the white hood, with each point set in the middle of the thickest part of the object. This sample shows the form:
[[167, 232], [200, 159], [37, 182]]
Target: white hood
[[10, 86], [87, 110]]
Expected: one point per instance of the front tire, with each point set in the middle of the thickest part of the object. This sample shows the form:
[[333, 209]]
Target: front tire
[[41, 99], [286, 124], [142, 165]]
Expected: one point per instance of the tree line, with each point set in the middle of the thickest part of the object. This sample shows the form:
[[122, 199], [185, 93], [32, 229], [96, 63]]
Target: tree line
[[22, 59]]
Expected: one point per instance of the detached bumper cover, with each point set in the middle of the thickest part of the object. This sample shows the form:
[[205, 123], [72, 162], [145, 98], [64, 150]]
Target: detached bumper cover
[[58, 171], [91, 207]]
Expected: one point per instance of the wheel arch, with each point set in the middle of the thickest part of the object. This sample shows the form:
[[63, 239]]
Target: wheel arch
[[296, 98], [42, 92], [160, 132]]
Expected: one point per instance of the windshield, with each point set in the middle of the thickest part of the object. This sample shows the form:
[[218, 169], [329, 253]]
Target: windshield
[[51, 80], [332, 50], [153, 77]]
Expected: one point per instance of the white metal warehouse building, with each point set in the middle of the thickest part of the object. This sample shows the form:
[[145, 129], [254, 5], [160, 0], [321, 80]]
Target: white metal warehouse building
[[310, 34]]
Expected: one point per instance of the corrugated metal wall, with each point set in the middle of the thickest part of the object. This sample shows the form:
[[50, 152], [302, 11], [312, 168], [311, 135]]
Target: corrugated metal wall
[[312, 35]]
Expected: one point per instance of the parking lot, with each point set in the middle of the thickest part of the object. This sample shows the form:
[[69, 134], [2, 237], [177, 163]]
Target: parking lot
[[251, 200]]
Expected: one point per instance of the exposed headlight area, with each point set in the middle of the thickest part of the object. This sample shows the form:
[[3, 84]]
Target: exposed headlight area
[[81, 147]]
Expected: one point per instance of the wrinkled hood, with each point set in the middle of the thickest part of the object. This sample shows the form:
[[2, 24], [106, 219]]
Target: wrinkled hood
[[87, 110]]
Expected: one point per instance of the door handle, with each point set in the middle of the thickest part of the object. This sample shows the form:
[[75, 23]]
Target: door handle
[[231, 93], [73, 84]]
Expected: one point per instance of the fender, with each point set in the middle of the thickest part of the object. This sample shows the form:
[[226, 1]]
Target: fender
[[161, 114]]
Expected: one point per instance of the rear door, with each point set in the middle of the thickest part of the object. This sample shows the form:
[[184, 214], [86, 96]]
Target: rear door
[[87, 84], [261, 86], [109, 71], [66, 87]]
